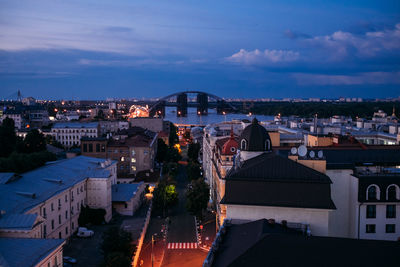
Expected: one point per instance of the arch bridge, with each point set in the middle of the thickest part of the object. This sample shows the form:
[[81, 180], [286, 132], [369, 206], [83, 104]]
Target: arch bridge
[[198, 99]]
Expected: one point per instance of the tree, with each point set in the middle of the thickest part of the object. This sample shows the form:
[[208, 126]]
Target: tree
[[193, 170], [165, 196], [8, 137], [173, 137], [162, 151], [34, 142], [198, 194], [193, 151], [117, 247], [90, 215], [20, 162]]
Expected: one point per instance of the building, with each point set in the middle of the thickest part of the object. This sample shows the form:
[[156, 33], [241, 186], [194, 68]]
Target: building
[[16, 252], [135, 150], [267, 243], [262, 184], [149, 123], [16, 116], [46, 202], [70, 133], [127, 198]]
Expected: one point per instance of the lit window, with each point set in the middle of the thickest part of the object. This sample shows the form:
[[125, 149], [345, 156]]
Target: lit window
[[122, 158], [133, 168], [133, 160]]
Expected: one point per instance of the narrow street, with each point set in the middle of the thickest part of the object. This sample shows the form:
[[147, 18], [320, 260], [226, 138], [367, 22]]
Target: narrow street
[[180, 247]]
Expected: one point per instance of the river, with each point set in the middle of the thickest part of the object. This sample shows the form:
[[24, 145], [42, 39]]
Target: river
[[212, 117]]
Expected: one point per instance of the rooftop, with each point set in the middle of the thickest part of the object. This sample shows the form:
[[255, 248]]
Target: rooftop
[[16, 252], [124, 192], [75, 125]]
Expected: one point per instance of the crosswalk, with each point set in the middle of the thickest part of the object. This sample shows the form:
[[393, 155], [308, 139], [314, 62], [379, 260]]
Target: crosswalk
[[181, 245]]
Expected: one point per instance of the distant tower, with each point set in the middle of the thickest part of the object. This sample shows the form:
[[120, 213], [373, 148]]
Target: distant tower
[[19, 96]]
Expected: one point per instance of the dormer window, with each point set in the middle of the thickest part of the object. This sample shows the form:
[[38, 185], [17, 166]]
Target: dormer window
[[373, 192], [243, 144], [233, 149], [392, 192]]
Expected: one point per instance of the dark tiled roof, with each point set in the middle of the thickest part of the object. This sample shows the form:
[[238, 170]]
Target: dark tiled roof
[[271, 180], [250, 245], [255, 136], [273, 167]]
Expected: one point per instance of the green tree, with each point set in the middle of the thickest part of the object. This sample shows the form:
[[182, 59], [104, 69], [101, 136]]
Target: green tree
[[20, 162], [34, 142], [193, 151], [198, 195], [8, 138], [164, 196]]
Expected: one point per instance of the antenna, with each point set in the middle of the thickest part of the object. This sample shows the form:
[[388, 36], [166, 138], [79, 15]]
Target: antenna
[[320, 154], [312, 154], [293, 150], [302, 150]]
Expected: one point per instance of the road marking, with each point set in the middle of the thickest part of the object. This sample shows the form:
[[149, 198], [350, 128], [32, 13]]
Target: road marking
[[182, 245]]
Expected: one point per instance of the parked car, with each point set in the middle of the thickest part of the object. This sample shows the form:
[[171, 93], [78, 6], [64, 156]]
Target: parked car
[[71, 260], [84, 232]]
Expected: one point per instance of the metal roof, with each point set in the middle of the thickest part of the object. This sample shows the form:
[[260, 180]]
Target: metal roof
[[124, 192], [16, 252], [76, 125]]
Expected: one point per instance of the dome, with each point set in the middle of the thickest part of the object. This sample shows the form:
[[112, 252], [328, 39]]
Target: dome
[[230, 146], [254, 138]]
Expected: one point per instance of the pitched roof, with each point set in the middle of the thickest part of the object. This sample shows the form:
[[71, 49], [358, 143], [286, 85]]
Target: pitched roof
[[15, 252], [251, 245], [124, 192], [76, 125], [272, 180], [273, 167], [18, 221]]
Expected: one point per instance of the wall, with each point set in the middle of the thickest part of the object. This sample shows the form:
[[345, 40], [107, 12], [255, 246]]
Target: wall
[[318, 219], [152, 124], [55, 258]]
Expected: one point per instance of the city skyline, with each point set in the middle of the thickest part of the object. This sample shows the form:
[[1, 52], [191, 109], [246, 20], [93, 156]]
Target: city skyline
[[291, 49]]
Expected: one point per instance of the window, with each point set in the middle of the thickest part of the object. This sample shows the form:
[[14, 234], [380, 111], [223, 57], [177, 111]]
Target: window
[[73, 226], [103, 148], [90, 147], [126, 206], [66, 214], [371, 211], [52, 206], [370, 228], [66, 198], [133, 160], [77, 191], [391, 211], [97, 147], [390, 228], [133, 152], [122, 158], [391, 193], [372, 192], [133, 168], [243, 144], [44, 212], [59, 219], [81, 188], [233, 149], [59, 236], [66, 230], [52, 224], [44, 231]]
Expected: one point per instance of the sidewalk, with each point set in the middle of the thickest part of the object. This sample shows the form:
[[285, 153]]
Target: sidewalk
[[207, 234]]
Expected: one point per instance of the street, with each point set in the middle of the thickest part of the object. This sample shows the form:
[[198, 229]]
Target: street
[[180, 247]]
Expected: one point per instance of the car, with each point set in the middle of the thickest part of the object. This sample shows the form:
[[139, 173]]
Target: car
[[71, 260], [84, 232]]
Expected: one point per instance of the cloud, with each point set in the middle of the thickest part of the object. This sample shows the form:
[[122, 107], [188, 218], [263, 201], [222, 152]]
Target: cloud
[[257, 57], [295, 35], [365, 78], [127, 63], [342, 44]]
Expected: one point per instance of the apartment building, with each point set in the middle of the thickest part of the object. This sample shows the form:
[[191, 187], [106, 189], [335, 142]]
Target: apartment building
[[70, 133], [16, 116], [46, 202]]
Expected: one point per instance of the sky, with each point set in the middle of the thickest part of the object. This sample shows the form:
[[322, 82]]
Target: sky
[[97, 49]]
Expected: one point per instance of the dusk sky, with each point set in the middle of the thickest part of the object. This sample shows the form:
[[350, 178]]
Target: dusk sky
[[96, 49]]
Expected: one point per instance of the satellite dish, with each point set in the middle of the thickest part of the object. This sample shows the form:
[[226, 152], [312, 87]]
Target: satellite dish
[[302, 151], [312, 154], [293, 151], [320, 154]]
